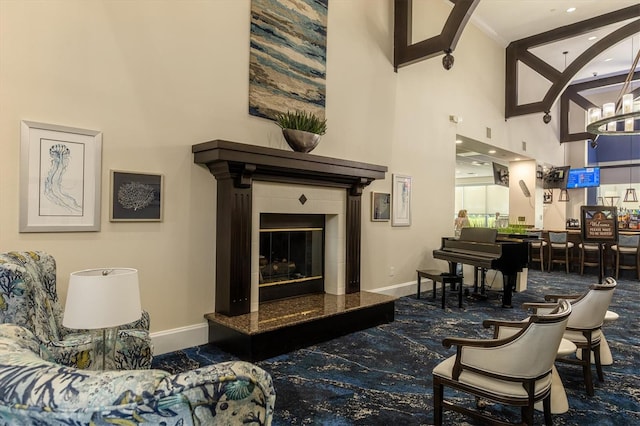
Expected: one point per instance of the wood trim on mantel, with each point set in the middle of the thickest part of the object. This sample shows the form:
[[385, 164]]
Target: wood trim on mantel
[[235, 167], [295, 167]]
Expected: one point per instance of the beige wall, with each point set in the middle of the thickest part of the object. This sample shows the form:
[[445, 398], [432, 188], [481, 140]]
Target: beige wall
[[158, 76]]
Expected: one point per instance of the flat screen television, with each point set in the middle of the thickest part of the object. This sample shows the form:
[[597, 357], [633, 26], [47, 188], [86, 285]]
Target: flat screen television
[[587, 177], [556, 178], [500, 175]]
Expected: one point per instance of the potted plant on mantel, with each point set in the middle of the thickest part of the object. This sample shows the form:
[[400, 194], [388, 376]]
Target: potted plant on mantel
[[301, 130]]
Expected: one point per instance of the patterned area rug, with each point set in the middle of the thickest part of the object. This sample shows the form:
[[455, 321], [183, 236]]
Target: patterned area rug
[[382, 375]]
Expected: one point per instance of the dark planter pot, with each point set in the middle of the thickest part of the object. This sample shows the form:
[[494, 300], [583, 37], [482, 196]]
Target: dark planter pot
[[301, 141]]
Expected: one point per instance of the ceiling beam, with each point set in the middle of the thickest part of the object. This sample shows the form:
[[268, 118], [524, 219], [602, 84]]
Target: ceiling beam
[[406, 53], [519, 51]]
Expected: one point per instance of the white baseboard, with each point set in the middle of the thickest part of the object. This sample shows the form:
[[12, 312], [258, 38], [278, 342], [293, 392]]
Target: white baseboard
[[398, 290], [180, 338]]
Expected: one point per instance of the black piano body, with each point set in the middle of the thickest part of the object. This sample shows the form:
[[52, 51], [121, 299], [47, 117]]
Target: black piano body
[[481, 247]]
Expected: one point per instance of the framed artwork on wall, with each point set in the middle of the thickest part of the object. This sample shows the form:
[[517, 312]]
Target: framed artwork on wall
[[60, 177], [287, 57], [547, 197], [380, 206], [401, 192], [136, 197]]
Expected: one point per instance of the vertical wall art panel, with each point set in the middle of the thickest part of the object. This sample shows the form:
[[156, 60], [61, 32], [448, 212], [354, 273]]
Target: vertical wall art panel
[[287, 56]]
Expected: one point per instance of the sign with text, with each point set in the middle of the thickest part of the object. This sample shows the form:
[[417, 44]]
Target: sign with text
[[599, 224]]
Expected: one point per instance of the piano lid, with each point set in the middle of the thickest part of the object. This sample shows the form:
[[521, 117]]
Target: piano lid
[[479, 235]]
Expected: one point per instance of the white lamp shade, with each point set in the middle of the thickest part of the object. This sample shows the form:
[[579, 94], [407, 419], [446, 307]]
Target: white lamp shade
[[102, 298]]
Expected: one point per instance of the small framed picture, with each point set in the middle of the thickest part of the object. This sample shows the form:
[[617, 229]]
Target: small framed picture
[[136, 197], [380, 206], [547, 197], [401, 211]]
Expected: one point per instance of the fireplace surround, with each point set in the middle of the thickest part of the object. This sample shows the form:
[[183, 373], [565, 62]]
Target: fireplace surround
[[236, 166], [252, 181]]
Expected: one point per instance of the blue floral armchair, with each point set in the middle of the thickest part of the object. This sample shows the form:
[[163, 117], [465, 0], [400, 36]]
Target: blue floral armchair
[[28, 298], [38, 392]]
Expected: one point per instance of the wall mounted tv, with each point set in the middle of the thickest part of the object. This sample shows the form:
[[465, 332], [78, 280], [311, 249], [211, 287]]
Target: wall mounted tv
[[500, 175], [556, 178], [587, 177]]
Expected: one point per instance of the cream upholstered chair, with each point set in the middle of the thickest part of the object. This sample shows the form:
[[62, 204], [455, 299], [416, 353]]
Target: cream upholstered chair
[[514, 370], [584, 328], [558, 243], [627, 246]]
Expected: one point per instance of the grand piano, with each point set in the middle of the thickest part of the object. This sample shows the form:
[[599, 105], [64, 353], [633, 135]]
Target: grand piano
[[481, 248]]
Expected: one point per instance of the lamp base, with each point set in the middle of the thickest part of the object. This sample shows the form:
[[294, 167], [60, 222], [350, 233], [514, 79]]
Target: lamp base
[[104, 347]]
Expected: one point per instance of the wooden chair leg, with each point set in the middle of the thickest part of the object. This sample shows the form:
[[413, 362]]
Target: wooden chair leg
[[598, 362], [546, 404], [438, 394], [586, 371], [527, 415], [566, 259]]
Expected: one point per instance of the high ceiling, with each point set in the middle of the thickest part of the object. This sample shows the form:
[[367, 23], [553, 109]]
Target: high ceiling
[[510, 20]]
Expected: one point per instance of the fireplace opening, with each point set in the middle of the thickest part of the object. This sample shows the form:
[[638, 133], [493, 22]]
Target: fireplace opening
[[291, 254]]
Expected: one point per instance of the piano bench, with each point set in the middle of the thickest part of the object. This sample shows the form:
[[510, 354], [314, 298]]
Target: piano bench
[[445, 278]]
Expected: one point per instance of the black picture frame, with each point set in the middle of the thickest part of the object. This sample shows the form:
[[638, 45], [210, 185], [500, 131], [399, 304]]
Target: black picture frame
[[380, 206], [136, 197]]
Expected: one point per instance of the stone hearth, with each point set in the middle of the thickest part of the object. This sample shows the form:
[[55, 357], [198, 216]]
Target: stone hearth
[[285, 325]]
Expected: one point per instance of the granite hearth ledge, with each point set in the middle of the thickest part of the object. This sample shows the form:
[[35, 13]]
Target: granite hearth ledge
[[285, 325], [287, 312]]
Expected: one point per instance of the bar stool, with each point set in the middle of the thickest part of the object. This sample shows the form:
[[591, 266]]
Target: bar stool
[[537, 246], [588, 250], [627, 246], [558, 243]]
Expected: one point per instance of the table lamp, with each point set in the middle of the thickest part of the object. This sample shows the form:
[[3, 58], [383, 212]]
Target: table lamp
[[101, 300]]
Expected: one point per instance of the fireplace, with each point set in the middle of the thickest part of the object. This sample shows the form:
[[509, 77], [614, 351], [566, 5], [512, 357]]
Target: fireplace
[[291, 260], [287, 223], [236, 166]]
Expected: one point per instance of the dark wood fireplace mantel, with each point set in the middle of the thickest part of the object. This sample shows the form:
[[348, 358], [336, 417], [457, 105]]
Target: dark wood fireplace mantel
[[235, 167]]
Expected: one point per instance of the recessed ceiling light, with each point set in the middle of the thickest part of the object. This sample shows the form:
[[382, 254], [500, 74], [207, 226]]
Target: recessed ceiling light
[[608, 59], [458, 141], [517, 159], [571, 9], [592, 38], [492, 151]]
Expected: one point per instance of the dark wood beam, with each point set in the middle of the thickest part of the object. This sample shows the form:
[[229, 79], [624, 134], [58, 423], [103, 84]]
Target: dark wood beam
[[406, 52], [519, 51]]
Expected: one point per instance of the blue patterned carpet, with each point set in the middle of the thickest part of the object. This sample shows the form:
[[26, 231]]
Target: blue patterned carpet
[[382, 376]]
